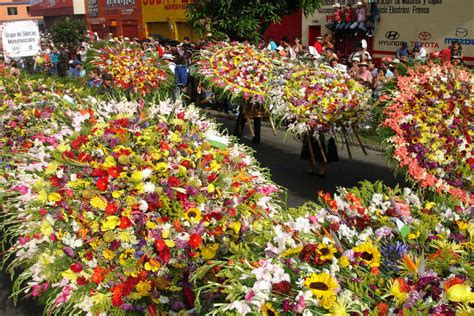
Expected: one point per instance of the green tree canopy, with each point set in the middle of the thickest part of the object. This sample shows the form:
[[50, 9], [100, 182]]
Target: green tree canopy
[[242, 19], [69, 32]]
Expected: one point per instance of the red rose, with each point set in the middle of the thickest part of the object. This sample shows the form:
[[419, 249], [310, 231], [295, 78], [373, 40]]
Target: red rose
[[112, 208], [195, 241], [76, 267], [102, 183]]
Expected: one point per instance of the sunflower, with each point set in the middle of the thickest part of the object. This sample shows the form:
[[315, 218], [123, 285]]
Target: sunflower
[[269, 310], [322, 286], [326, 252], [369, 254], [193, 215]]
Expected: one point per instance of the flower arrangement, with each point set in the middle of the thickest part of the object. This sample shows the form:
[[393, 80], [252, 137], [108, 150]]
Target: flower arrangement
[[130, 206], [134, 71], [239, 70], [317, 99], [430, 115], [369, 250]]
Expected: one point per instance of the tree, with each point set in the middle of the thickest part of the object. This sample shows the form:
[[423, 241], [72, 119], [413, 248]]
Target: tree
[[69, 32], [242, 19]]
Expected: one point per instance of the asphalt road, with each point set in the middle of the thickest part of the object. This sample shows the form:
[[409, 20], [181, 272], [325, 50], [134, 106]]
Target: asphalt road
[[280, 154]]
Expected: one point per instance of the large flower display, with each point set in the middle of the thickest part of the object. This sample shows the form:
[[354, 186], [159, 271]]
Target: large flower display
[[316, 98], [238, 69], [130, 206], [369, 250], [432, 117], [134, 71]]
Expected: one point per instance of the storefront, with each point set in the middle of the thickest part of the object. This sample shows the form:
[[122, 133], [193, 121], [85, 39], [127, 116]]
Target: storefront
[[166, 19], [115, 17], [53, 10]]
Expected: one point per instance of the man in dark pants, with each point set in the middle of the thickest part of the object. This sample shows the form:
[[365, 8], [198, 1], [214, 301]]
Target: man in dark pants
[[239, 126]]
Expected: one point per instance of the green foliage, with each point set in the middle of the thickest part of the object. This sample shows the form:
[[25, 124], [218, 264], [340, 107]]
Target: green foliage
[[69, 32], [242, 19]]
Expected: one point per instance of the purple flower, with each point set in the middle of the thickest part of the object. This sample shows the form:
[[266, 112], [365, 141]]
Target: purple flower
[[392, 253]]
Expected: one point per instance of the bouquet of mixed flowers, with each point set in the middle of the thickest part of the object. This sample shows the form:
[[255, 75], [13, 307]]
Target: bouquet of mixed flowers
[[316, 98], [430, 117], [368, 251], [238, 70], [130, 206], [134, 71]]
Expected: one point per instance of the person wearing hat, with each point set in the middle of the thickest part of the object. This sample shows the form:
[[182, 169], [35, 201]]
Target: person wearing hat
[[359, 24], [336, 18], [319, 45], [364, 75], [419, 52]]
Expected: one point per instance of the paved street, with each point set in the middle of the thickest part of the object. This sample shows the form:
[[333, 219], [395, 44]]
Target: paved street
[[280, 154]]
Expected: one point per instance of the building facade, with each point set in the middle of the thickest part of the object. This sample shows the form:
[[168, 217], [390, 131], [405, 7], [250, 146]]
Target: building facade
[[115, 18], [52, 10], [166, 19]]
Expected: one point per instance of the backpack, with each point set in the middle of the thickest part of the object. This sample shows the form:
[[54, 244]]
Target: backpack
[[181, 73]]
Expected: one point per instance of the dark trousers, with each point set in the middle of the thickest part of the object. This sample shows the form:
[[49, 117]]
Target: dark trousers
[[239, 126]]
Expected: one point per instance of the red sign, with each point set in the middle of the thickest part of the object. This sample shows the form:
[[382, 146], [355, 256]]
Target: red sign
[[51, 8]]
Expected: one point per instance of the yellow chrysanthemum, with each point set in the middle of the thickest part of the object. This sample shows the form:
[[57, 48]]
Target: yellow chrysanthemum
[[143, 287], [110, 223], [339, 308], [396, 291], [370, 255], [98, 202]]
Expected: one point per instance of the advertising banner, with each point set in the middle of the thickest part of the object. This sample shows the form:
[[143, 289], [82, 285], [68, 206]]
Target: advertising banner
[[20, 39], [435, 24]]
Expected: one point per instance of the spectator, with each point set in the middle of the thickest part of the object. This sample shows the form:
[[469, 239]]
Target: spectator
[[39, 63], [95, 80], [285, 43], [328, 41], [379, 82], [419, 52], [347, 19], [373, 68], [457, 60], [107, 84], [71, 72], [360, 53], [329, 54], [80, 72], [336, 18], [319, 45], [181, 75], [354, 66], [363, 75], [333, 63], [297, 47], [169, 59], [359, 24], [403, 51], [187, 44], [54, 57], [456, 49], [272, 46], [445, 54], [373, 19]]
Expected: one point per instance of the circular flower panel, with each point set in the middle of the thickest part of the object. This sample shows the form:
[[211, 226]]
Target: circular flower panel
[[236, 68], [432, 116], [318, 99], [133, 70], [129, 207]]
